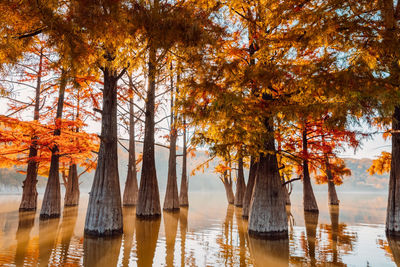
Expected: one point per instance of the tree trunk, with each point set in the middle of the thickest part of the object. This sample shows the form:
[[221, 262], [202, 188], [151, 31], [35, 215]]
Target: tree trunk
[[332, 196], [309, 202], [311, 223], [287, 196], [29, 192], [393, 209], [51, 205], [240, 185], [171, 200], [228, 188], [268, 218], [249, 189], [131, 184], [104, 213], [72, 192], [149, 198], [183, 197]]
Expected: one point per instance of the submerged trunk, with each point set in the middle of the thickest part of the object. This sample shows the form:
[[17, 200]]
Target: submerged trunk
[[29, 192], [267, 216], [183, 197], [240, 185], [171, 200], [249, 189], [228, 188], [332, 196], [148, 205], [72, 191], [51, 205], [269, 252], [393, 209], [104, 213], [131, 184], [309, 202]]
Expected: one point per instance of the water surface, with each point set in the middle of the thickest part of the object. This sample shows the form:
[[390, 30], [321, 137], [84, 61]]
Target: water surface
[[209, 233]]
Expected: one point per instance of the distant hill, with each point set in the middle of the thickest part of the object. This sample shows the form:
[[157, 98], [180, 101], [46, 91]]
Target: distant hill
[[360, 180]]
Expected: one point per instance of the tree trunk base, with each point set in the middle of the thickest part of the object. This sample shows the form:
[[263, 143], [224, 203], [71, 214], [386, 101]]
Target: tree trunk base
[[107, 233], [129, 205], [71, 205], [148, 217], [171, 209], [184, 205], [26, 209]]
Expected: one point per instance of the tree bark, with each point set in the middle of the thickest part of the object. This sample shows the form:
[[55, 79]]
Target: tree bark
[[390, 41], [51, 205], [228, 188], [149, 197], [104, 213], [240, 185], [131, 184], [332, 196], [29, 192], [287, 196], [268, 218], [171, 200], [183, 197], [309, 202], [249, 189], [72, 191], [393, 209]]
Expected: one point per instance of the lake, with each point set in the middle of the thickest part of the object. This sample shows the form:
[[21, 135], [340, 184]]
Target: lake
[[208, 233]]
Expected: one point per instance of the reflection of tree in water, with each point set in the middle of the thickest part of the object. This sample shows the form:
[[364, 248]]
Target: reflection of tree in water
[[225, 240], [311, 223], [67, 227], [25, 224], [48, 231], [242, 232], [269, 252], [171, 228], [129, 217], [146, 240], [391, 247], [186, 260], [101, 251], [340, 240]]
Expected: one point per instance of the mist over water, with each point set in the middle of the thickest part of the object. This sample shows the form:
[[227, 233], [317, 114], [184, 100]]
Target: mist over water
[[208, 233]]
